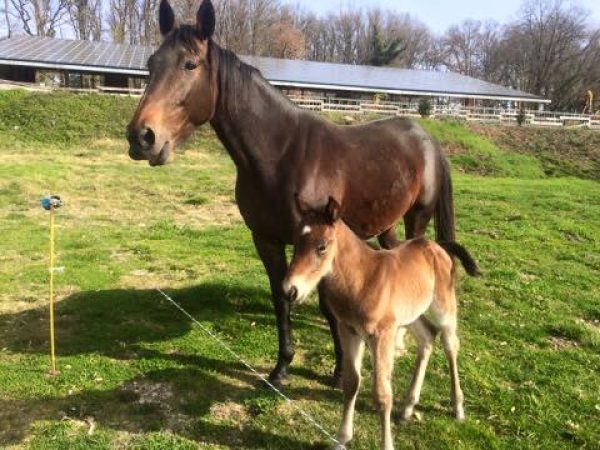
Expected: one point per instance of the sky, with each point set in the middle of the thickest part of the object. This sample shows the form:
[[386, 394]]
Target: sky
[[440, 14], [437, 14]]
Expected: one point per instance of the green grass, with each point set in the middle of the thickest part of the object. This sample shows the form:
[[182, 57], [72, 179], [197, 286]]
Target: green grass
[[137, 374]]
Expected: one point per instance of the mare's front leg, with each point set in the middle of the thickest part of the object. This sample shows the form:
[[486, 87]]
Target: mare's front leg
[[333, 327], [273, 258]]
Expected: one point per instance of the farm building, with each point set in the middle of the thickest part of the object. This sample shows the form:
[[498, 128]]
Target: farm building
[[107, 66]]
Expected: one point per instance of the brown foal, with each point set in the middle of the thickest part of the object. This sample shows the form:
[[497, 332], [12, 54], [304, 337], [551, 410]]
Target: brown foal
[[373, 293]]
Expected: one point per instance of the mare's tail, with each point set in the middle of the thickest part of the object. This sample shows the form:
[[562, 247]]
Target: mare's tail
[[455, 249], [443, 214]]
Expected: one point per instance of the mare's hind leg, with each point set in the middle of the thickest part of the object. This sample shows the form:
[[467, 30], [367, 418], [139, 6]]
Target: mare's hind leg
[[416, 221], [424, 333], [333, 327], [274, 260], [388, 238]]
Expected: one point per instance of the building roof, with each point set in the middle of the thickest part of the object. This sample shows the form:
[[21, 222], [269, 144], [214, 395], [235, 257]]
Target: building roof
[[104, 57]]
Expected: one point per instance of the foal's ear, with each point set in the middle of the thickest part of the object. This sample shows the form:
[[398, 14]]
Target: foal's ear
[[166, 17], [205, 20], [303, 207], [332, 210]]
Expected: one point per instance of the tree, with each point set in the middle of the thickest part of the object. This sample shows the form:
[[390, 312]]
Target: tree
[[462, 46], [85, 17], [545, 47], [287, 41], [38, 17], [384, 52]]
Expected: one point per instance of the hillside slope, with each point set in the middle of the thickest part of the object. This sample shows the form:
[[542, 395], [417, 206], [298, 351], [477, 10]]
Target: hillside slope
[[570, 152], [60, 119]]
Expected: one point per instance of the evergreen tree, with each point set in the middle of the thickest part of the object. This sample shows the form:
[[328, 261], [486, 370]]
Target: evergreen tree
[[384, 52]]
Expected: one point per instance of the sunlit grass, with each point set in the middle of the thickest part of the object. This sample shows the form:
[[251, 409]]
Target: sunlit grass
[[135, 373]]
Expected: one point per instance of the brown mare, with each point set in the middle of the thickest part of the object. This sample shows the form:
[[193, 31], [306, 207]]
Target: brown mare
[[371, 294], [380, 172]]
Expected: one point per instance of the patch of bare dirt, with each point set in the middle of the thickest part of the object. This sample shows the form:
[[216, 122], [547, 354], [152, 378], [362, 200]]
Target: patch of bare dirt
[[230, 412], [149, 392], [562, 343], [594, 324]]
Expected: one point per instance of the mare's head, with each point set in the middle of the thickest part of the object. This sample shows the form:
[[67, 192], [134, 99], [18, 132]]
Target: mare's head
[[314, 248], [181, 91]]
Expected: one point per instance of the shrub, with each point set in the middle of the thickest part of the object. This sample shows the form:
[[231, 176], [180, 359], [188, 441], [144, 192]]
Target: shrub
[[424, 107], [521, 117]]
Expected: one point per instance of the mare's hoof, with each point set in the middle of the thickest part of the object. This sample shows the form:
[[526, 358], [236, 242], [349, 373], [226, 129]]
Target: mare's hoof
[[277, 379], [336, 379]]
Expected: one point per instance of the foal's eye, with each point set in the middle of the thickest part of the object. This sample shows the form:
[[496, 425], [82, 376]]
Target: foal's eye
[[190, 65], [321, 248]]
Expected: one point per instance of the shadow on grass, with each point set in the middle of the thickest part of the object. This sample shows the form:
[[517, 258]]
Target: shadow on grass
[[158, 401], [177, 388], [109, 322]]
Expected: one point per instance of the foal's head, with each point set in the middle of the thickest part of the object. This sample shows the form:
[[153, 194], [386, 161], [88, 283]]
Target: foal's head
[[314, 248], [181, 91]]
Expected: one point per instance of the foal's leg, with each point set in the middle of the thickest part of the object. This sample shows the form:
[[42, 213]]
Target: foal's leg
[[333, 327], [382, 354], [274, 260], [424, 333], [451, 343], [353, 348]]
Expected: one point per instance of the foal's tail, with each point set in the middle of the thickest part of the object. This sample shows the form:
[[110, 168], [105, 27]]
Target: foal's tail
[[455, 249], [443, 214]]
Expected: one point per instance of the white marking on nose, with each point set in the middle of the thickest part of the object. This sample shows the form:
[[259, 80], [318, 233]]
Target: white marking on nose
[[306, 230]]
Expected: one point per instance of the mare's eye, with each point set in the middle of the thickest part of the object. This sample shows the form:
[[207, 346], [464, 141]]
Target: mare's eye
[[321, 248], [190, 65]]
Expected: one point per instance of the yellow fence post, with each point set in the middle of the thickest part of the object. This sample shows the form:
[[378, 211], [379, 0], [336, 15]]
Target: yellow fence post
[[51, 204]]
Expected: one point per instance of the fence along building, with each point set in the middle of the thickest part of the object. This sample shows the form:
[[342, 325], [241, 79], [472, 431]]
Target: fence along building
[[118, 68]]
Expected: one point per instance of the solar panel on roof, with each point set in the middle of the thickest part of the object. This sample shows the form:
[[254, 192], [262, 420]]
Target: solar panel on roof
[[129, 59]]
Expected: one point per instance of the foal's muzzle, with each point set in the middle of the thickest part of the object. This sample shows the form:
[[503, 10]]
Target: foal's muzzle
[[292, 294]]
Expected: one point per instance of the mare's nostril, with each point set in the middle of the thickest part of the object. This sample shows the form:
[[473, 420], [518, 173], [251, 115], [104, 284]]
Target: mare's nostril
[[147, 137]]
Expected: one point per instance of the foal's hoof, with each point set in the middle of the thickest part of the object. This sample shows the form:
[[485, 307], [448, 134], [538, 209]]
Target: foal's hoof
[[459, 414], [409, 414]]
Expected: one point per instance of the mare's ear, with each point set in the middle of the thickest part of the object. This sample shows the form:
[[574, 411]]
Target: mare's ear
[[166, 17], [205, 20], [302, 206], [332, 210]]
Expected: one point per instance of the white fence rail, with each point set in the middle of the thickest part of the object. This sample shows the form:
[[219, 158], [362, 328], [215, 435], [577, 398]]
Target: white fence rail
[[472, 114]]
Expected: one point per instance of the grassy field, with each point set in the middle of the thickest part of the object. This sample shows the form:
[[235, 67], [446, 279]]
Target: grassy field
[[135, 373]]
